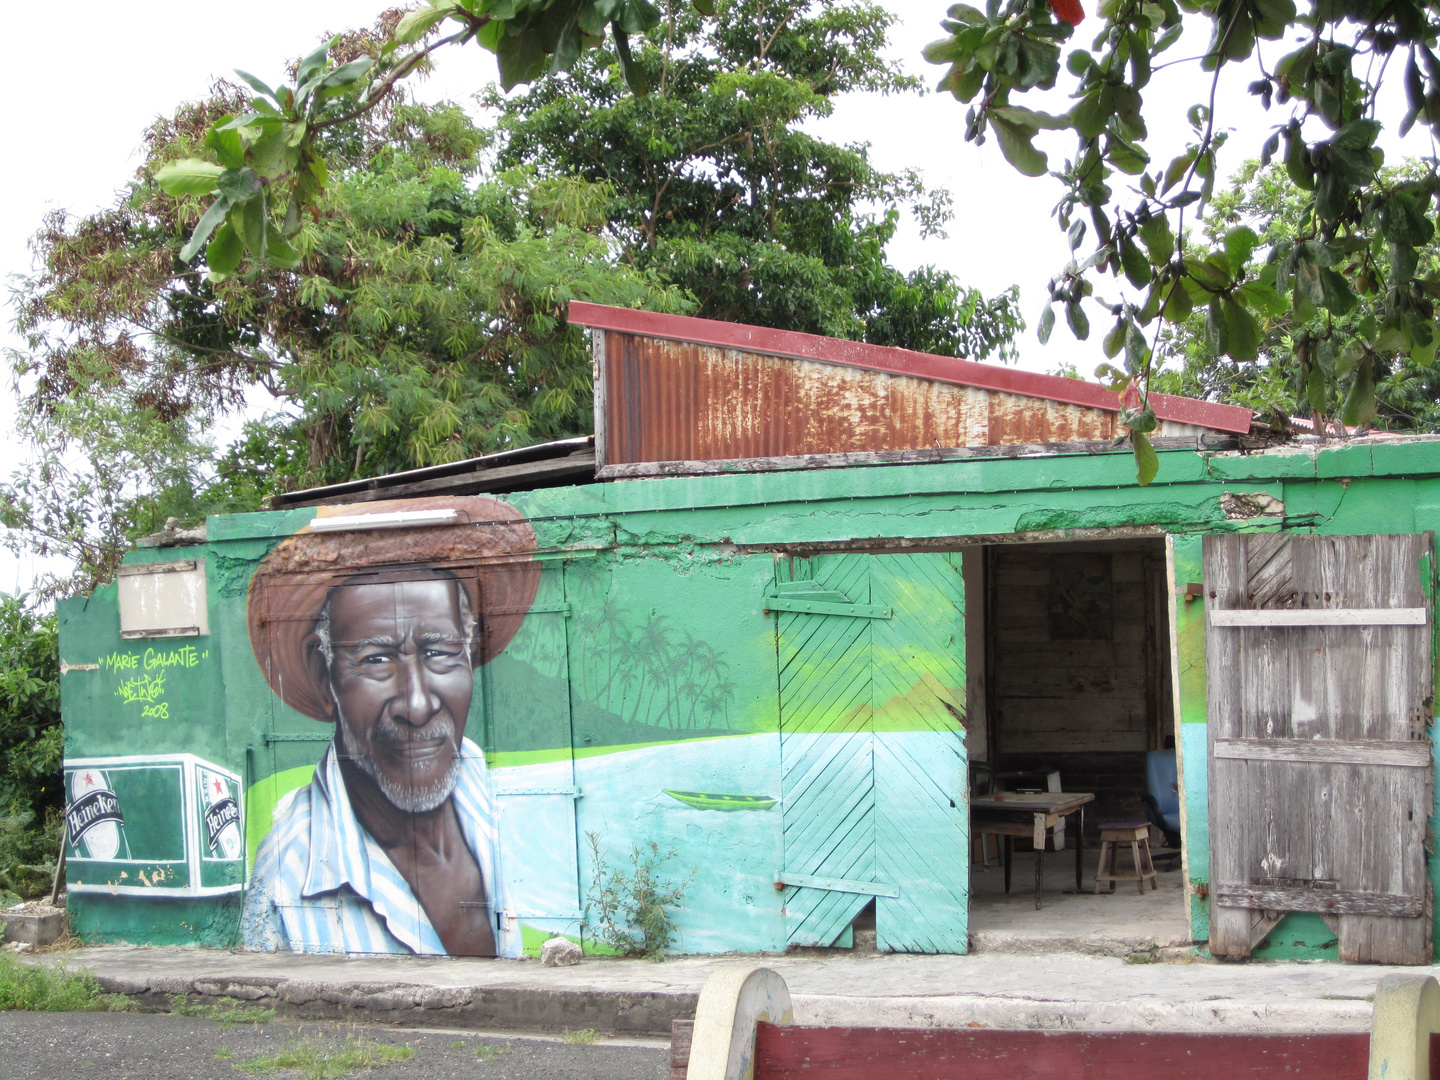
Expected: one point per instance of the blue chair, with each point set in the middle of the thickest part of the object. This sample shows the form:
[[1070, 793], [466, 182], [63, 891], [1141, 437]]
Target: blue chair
[[1162, 795]]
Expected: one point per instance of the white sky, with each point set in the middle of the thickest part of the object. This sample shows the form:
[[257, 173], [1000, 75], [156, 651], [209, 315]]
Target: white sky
[[79, 107]]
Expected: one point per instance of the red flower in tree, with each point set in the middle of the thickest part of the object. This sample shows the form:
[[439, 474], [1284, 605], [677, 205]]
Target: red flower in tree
[[1068, 11]]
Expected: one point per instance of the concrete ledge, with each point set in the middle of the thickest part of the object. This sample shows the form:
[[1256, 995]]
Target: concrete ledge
[[1003, 991], [507, 1008]]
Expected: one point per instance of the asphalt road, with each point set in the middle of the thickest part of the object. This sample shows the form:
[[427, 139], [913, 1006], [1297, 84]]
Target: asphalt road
[[130, 1046]]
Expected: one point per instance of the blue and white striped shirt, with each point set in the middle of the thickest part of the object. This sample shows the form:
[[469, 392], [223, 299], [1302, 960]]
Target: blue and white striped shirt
[[323, 885]]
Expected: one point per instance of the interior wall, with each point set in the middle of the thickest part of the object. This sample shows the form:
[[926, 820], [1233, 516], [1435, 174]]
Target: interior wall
[[1075, 661]]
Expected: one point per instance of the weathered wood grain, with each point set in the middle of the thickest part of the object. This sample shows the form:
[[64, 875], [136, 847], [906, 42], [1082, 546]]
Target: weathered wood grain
[[1307, 725], [1321, 617], [1320, 900]]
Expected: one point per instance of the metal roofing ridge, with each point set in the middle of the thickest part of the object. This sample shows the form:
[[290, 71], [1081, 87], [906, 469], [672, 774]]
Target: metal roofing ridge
[[896, 361]]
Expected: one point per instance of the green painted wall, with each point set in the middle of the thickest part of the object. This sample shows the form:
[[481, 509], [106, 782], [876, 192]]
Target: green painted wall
[[664, 670]]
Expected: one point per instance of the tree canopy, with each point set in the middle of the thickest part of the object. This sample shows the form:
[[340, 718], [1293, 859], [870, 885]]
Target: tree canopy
[[408, 305], [1302, 366], [719, 189], [1360, 229], [422, 322], [1124, 215]]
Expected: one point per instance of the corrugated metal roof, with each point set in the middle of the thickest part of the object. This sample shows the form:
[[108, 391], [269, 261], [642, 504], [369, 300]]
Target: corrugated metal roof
[[675, 389], [563, 461], [855, 354]]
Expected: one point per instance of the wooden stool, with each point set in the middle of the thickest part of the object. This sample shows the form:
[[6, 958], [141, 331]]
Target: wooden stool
[[1137, 835]]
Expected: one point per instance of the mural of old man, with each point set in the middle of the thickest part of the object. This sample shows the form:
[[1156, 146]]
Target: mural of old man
[[391, 847]]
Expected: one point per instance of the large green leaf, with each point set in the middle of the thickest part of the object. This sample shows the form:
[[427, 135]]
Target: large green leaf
[[204, 227], [223, 254], [1158, 239], [1133, 261], [1015, 144], [189, 176], [1360, 405], [1242, 333], [1147, 462], [416, 24], [1046, 325]]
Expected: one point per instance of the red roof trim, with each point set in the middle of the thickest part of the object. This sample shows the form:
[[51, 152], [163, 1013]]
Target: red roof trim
[[788, 343]]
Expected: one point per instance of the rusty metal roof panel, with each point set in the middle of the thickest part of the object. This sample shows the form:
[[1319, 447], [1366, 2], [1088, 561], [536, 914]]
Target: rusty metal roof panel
[[679, 389], [664, 399], [838, 355]]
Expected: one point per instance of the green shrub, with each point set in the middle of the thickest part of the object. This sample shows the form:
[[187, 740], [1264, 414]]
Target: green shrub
[[35, 987], [27, 855], [630, 907], [32, 749]]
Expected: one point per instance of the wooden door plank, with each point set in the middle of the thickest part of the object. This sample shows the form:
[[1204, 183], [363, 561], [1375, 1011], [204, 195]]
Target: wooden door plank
[[1276, 898], [1408, 754], [1306, 617]]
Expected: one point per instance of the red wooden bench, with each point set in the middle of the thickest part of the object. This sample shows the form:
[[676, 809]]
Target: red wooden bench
[[743, 1001]]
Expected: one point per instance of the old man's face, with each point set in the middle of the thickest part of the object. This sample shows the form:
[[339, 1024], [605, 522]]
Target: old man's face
[[402, 683]]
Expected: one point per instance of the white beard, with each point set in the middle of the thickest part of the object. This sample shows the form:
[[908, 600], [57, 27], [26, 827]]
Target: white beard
[[411, 798]]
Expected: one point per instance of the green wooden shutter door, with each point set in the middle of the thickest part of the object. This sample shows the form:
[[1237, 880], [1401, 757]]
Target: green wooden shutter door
[[873, 758], [827, 755], [921, 778]]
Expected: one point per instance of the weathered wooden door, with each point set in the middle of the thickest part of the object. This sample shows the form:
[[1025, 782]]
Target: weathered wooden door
[[871, 658], [1318, 672]]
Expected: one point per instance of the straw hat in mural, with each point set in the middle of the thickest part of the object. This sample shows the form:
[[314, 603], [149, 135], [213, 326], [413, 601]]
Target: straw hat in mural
[[487, 549]]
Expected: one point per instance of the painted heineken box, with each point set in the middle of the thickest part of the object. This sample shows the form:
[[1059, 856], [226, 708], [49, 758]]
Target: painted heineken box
[[167, 824]]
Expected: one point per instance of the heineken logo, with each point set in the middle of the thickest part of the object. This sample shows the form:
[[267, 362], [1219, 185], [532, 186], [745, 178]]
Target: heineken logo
[[90, 810], [223, 813]]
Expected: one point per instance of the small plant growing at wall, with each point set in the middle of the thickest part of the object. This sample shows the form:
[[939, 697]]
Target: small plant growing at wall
[[630, 906]]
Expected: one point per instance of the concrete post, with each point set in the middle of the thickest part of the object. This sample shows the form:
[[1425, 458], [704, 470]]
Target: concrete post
[[732, 1002], [1407, 1012]]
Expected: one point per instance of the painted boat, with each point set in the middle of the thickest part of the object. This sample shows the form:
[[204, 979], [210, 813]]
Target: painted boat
[[709, 800]]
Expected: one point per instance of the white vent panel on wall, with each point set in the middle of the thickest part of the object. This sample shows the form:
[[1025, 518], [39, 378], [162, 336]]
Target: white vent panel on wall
[[163, 599]]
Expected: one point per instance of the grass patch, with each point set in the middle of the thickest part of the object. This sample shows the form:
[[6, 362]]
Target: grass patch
[[224, 1054], [320, 1061], [53, 988], [583, 1037], [227, 1010]]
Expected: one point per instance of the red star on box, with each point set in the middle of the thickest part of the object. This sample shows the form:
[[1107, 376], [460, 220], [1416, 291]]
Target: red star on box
[[219, 790], [89, 780]]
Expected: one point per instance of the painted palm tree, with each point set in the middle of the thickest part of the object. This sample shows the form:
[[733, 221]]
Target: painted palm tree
[[656, 646]]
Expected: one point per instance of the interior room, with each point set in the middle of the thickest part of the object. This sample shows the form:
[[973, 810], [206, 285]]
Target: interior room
[[1070, 693]]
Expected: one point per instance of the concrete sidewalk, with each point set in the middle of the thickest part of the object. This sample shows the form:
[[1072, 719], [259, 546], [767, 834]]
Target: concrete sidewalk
[[1057, 991]]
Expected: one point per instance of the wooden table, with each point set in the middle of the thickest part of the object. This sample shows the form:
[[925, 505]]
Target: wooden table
[[1009, 814]]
